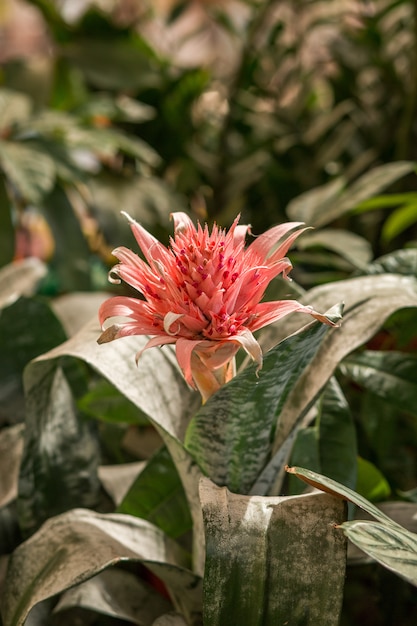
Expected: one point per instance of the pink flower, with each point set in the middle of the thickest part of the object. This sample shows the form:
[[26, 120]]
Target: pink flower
[[202, 294]]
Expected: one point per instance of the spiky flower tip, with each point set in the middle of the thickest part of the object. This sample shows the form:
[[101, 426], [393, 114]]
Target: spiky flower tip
[[202, 294]]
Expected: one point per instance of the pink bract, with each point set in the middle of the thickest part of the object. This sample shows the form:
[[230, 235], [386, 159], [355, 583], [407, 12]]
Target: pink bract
[[202, 294]]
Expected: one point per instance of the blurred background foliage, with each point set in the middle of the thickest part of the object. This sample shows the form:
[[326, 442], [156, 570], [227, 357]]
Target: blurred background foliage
[[215, 107], [279, 110]]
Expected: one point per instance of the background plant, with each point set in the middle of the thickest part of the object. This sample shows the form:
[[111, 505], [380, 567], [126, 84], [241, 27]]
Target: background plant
[[312, 119]]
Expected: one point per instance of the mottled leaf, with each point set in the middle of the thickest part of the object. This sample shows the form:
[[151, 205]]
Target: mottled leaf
[[77, 545], [252, 575], [222, 436]]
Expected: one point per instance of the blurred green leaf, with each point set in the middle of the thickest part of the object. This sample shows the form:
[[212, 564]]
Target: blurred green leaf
[[76, 545], [252, 577], [322, 206], [348, 245], [7, 232], [61, 456], [15, 107], [336, 436], [397, 262], [305, 452], [371, 483], [31, 172], [19, 344], [104, 402], [157, 495], [390, 375], [398, 221]]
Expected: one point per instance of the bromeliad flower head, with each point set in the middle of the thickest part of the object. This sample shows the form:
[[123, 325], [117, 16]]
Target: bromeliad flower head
[[202, 294]]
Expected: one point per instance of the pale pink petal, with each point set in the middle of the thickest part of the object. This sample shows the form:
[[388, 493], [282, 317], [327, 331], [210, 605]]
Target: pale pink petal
[[122, 306], [169, 319], [182, 222], [218, 353], [160, 340], [184, 349], [249, 344], [265, 242], [269, 312], [150, 246], [282, 250]]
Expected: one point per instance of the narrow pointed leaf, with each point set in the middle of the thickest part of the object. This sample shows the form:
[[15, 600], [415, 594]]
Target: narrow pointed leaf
[[252, 577], [337, 489], [77, 545]]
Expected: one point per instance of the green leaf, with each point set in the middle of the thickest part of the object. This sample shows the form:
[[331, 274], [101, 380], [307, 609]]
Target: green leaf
[[223, 437], [19, 344], [104, 402], [155, 386], [11, 448], [326, 204], [371, 484], [336, 436], [370, 301], [20, 278], [398, 221], [7, 231], [76, 545], [395, 548], [272, 560], [29, 170], [337, 489], [305, 452], [15, 107], [60, 461], [71, 258], [157, 495], [116, 593], [349, 246], [397, 262], [389, 375]]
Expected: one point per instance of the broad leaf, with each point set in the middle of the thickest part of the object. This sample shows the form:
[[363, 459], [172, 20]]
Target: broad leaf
[[30, 171], [11, 447], [336, 436], [61, 455], [19, 343], [272, 560], [397, 262], [155, 386], [350, 246], [77, 545], [15, 107], [118, 594], [389, 375], [20, 278], [231, 435], [7, 231], [157, 495]]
